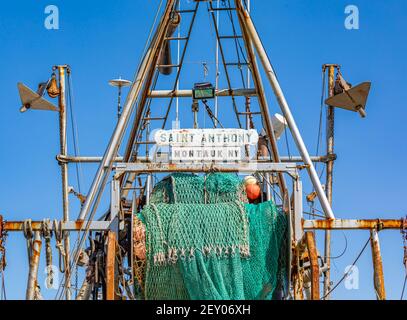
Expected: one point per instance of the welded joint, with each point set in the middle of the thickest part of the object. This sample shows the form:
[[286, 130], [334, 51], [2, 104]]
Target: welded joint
[[329, 158]]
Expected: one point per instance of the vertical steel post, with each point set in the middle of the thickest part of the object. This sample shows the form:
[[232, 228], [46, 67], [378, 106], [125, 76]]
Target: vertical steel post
[[297, 212], [377, 265], [34, 263], [148, 188], [313, 258], [330, 122], [110, 266], [119, 103], [64, 170], [248, 23]]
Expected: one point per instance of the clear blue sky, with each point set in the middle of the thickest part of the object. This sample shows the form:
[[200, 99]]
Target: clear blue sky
[[101, 40]]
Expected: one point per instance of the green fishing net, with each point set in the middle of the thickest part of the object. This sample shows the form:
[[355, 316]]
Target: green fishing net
[[205, 241]]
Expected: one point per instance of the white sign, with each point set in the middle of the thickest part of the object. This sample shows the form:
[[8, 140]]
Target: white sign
[[206, 144], [206, 153], [206, 137]]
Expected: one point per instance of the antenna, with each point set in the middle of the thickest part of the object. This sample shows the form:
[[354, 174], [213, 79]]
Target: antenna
[[119, 83]]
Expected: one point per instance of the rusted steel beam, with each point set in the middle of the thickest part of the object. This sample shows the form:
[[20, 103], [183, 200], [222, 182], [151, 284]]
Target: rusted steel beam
[[345, 224], [378, 274], [110, 266], [241, 167], [18, 226], [313, 258]]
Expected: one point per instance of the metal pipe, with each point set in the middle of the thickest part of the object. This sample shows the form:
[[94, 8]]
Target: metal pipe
[[330, 122], [188, 93], [377, 265], [148, 188], [91, 159], [34, 262], [18, 226], [246, 167], [64, 168], [342, 224], [285, 109], [82, 159]]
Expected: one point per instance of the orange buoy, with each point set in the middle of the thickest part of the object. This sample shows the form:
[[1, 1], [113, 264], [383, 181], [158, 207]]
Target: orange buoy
[[253, 191]]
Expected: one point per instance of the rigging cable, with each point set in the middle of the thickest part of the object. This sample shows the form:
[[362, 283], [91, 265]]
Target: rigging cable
[[75, 136], [319, 138], [78, 166], [349, 271]]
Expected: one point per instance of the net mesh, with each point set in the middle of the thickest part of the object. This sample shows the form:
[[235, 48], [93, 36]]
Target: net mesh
[[205, 241]]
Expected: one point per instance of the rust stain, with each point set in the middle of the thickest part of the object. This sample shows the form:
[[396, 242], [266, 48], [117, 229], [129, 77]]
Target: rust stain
[[329, 224], [36, 251], [313, 258], [377, 267], [18, 225], [79, 224], [110, 266]]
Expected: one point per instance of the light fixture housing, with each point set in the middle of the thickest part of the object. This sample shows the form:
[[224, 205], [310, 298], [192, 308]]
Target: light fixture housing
[[203, 91]]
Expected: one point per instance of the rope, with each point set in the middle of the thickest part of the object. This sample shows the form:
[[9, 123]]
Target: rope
[[47, 234], [28, 234], [58, 238]]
